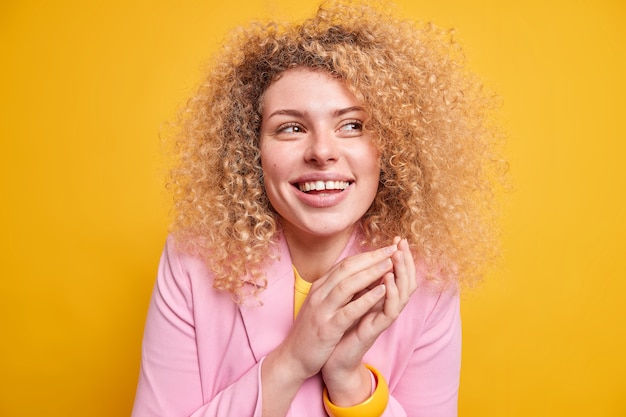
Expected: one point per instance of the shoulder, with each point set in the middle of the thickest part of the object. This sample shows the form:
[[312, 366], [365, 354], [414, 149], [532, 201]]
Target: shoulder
[[434, 296], [179, 259], [184, 280], [431, 307], [180, 268], [190, 275]]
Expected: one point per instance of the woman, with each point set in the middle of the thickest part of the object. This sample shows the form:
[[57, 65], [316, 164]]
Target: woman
[[332, 191]]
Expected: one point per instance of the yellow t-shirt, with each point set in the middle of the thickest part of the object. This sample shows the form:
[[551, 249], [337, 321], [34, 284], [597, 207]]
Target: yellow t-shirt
[[301, 290]]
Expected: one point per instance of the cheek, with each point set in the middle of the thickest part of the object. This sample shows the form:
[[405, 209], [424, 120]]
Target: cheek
[[374, 168], [273, 174], [268, 164], [271, 169], [373, 157], [276, 161]]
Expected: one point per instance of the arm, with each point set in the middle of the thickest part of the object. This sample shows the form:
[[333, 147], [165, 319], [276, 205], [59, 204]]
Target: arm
[[426, 382], [344, 370], [179, 379], [429, 384], [170, 382], [345, 313], [329, 312]]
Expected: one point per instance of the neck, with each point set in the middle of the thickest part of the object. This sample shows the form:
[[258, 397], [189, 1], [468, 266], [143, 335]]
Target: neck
[[314, 256]]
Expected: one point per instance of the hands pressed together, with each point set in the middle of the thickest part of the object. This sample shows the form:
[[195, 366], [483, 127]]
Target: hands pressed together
[[345, 312]]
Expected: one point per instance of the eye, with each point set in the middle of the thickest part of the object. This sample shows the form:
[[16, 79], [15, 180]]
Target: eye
[[290, 128], [352, 127]]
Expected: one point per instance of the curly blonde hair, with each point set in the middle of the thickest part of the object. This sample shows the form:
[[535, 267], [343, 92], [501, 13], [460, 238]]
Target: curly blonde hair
[[432, 122]]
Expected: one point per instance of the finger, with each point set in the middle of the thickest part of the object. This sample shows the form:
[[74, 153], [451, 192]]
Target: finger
[[401, 274], [352, 312], [351, 287], [360, 262], [355, 273], [410, 265], [379, 320], [392, 307]]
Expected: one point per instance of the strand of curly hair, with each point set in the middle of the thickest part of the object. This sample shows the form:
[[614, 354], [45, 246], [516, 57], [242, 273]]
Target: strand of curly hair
[[432, 123]]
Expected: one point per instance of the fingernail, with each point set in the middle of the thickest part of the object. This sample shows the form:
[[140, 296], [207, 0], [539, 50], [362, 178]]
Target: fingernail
[[380, 290]]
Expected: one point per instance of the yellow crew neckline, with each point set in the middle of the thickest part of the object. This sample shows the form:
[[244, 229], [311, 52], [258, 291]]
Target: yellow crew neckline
[[301, 290]]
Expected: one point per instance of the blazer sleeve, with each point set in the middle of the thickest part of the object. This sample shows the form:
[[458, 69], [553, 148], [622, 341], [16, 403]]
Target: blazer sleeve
[[430, 382], [170, 383]]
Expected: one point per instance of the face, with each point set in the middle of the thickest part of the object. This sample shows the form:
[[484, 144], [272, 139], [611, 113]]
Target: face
[[321, 169]]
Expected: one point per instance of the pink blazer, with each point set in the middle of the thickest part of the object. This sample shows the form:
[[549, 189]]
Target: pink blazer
[[202, 353]]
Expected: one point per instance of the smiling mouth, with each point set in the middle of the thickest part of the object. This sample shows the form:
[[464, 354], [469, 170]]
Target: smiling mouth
[[311, 186]]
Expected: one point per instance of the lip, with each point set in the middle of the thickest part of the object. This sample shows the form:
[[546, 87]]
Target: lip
[[322, 200], [321, 176]]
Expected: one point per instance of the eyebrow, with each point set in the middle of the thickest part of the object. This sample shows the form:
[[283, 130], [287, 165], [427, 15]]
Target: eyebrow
[[298, 113]]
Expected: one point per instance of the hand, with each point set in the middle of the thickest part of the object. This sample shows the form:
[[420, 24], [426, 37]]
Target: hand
[[329, 311], [344, 313], [344, 369]]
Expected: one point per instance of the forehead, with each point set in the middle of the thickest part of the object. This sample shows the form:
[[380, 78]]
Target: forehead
[[307, 88]]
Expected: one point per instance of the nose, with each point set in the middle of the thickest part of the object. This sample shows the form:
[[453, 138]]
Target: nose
[[322, 148]]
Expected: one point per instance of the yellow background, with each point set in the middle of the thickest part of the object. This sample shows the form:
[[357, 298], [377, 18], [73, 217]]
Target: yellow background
[[86, 87]]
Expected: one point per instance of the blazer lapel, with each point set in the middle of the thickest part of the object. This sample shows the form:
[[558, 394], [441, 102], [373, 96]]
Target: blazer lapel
[[267, 323]]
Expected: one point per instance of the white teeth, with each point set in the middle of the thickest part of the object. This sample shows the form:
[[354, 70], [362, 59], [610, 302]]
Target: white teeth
[[323, 185]]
